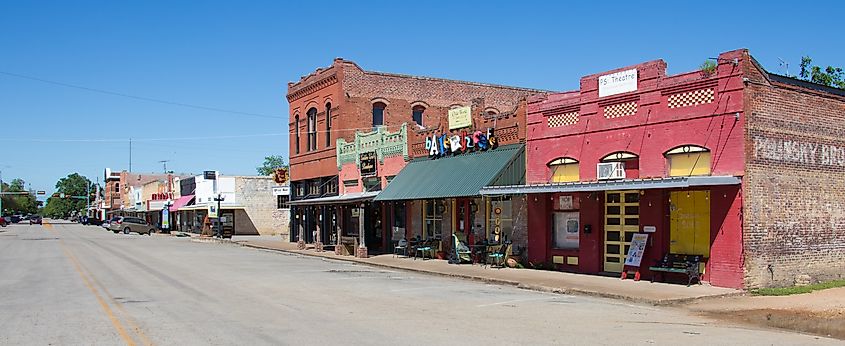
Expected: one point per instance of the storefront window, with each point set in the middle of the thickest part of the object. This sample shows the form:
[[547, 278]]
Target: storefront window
[[433, 217], [564, 170], [688, 160], [500, 219]]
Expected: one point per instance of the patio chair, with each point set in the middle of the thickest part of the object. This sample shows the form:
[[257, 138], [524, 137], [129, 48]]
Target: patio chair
[[498, 257], [423, 248], [460, 252], [402, 246]]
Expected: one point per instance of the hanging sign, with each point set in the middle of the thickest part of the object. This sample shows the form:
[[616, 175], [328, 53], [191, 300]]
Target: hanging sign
[[439, 145], [637, 249], [368, 163], [212, 211], [617, 83], [460, 117]]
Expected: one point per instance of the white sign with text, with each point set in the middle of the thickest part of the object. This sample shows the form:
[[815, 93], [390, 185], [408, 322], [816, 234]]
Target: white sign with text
[[617, 83]]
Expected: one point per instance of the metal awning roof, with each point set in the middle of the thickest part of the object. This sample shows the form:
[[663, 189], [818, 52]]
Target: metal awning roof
[[205, 207], [457, 176], [341, 199], [606, 185]]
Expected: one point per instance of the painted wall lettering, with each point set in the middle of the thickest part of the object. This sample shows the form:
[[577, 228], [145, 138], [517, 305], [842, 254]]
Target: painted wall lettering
[[803, 152]]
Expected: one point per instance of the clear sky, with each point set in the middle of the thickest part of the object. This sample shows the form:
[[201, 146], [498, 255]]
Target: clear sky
[[239, 56]]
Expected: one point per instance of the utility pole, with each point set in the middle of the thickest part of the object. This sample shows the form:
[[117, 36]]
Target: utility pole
[[219, 199], [164, 162], [87, 197]]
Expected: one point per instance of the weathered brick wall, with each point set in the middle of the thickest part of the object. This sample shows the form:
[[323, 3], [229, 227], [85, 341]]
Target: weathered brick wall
[[794, 221], [260, 214]]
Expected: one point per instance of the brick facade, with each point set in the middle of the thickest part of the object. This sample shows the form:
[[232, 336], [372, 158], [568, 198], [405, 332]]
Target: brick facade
[[794, 214]]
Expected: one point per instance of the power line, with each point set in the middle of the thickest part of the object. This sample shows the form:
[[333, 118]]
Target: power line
[[141, 98], [121, 140]]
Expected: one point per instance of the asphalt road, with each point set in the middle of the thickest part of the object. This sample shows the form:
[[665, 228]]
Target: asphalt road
[[71, 284]]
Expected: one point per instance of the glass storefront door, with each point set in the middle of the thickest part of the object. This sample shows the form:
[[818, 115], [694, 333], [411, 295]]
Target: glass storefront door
[[622, 221]]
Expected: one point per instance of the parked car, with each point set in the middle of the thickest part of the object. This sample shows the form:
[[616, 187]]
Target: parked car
[[2, 222], [15, 218], [35, 220], [131, 224], [85, 220]]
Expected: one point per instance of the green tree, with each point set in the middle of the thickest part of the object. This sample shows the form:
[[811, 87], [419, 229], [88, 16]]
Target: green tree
[[18, 203], [830, 76], [74, 187], [270, 164]]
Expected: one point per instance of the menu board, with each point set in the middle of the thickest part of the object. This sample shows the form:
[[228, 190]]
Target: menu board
[[637, 249]]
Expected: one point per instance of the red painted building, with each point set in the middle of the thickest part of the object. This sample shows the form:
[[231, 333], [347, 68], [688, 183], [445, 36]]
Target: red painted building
[[695, 161]]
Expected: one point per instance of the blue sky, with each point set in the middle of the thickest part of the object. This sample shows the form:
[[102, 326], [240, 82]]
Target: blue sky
[[239, 56]]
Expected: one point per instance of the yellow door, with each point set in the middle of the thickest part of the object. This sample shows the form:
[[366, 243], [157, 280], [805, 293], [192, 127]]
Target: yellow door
[[689, 225], [621, 222]]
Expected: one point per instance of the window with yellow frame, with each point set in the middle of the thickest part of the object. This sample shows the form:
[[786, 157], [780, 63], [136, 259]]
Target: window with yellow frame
[[564, 170], [688, 160]]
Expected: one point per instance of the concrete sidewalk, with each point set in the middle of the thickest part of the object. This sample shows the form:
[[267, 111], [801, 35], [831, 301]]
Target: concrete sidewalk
[[548, 281]]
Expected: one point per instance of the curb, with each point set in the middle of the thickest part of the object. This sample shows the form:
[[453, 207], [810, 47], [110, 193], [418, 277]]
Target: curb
[[517, 284]]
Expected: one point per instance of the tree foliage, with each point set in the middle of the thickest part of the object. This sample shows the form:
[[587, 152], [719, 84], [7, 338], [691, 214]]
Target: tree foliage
[[270, 164], [75, 189], [830, 76], [18, 204]]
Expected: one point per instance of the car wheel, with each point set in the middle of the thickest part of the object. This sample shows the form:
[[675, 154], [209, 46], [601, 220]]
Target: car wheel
[[115, 232], [126, 230], [150, 232]]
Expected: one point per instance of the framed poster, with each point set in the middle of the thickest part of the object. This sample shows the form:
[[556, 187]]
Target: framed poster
[[368, 164], [637, 249], [567, 226]]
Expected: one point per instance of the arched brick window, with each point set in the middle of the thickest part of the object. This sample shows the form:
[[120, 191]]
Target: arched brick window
[[312, 129], [328, 124], [564, 170], [688, 160], [378, 114], [296, 121], [417, 114]]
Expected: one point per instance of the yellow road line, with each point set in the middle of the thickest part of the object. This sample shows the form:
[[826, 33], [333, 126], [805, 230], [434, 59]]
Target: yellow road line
[[46, 224], [114, 321]]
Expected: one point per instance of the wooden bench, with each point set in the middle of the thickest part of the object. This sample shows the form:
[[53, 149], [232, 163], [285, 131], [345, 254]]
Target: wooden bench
[[681, 264], [348, 245]]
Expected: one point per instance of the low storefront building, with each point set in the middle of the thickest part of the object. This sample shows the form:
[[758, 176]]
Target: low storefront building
[[638, 167]]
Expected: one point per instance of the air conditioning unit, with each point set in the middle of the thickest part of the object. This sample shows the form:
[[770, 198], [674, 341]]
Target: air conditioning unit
[[611, 170]]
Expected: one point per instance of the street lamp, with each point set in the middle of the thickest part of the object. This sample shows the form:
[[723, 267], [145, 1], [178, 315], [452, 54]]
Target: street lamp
[[219, 199]]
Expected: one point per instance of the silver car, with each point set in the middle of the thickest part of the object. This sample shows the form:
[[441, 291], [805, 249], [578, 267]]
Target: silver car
[[131, 224]]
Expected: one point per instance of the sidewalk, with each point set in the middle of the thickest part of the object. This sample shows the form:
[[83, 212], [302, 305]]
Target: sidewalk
[[547, 281]]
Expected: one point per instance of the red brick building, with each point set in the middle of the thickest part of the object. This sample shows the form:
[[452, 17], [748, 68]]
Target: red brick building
[[352, 131], [737, 166]]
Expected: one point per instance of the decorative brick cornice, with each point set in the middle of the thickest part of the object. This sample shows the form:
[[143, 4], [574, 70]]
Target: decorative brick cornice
[[312, 87]]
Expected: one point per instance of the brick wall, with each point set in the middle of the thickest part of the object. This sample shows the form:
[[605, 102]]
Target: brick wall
[[260, 214], [795, 183]]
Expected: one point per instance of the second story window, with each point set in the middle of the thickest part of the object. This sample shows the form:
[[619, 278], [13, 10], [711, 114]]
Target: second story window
[[378, 114], [417, 114], [296, 125], [117, 187], [328, 125], [312, 129]]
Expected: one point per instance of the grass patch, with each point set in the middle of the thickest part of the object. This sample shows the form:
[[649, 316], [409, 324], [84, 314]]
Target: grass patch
[[785, 291]]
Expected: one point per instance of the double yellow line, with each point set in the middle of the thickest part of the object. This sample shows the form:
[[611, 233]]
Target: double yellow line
[[91, 282]]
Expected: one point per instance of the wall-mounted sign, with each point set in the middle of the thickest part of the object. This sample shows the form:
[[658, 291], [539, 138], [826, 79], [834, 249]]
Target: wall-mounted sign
[[212, 211], [649, 229], [368, 163], [209, 175], [460, 142], [281, 190], [565, 202], [636, 251], [280, 175], [617, 83], [460, 117]]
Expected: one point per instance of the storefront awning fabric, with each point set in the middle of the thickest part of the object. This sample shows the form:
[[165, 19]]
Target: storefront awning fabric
[[608, 185], [457, 176], [181, 202], [341, 199]]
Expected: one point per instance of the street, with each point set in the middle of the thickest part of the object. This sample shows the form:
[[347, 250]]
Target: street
[[65, 283]]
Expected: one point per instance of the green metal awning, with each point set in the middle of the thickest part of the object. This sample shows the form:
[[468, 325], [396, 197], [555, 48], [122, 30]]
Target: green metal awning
[[457, 176]]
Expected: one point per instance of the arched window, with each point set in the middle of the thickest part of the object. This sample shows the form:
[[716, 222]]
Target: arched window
[[296, 121], [630, 161], [417, 114], [312, 129], [688, 160], [378, 114], [328, 124], [619, 156], [564, 170]]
